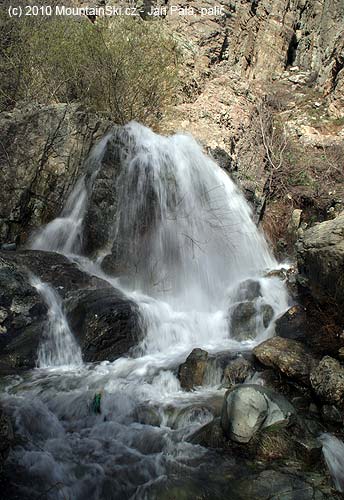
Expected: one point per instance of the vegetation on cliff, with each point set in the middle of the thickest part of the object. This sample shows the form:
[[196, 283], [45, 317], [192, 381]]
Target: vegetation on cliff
[[122, 66]]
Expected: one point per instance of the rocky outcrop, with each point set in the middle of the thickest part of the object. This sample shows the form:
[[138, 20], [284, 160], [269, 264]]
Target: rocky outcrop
[[287, 356], [42, 154], [105, 323], [321, 261], [249, 408], [327, 380]]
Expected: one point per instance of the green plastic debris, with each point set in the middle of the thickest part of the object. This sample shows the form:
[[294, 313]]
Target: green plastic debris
[[96, 406]]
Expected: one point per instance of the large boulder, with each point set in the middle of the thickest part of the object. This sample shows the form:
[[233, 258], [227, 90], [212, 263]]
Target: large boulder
[[105, 322], [42, 154], [287, 356], [327, 380], [248, 408], [321, 260]]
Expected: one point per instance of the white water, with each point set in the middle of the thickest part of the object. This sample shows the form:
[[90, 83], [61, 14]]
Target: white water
[[187, 233], [333, 450], [58, 347]]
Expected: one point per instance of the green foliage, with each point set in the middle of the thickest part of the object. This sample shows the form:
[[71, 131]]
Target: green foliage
[[123, 66]]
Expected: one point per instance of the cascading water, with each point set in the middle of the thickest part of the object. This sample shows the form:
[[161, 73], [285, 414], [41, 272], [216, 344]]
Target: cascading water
[[58, 347], [185, 237], [333, 450]]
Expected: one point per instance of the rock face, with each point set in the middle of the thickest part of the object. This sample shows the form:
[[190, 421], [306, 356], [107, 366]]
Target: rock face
[[22, 315], [42, 155], [191, 373], [249, 408], [288, 356], [321, 260], [327, 380], [105, 323]]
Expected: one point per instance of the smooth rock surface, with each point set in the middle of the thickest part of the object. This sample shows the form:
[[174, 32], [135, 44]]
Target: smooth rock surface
[[249, 408]]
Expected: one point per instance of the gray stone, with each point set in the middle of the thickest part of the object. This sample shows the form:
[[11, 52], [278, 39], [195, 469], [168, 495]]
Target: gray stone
[[327, 380], [249, 408], [321, 260], [331, 414], [247, 317]]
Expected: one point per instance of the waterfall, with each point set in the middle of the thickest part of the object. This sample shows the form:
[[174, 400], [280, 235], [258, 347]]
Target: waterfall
[[333, 450], [58, 346], [190, 257], [182, 224], [182, 231]]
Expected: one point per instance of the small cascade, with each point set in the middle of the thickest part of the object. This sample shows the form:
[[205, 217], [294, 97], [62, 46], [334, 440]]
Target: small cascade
[[333, 450], [59, 347], [65, 233]]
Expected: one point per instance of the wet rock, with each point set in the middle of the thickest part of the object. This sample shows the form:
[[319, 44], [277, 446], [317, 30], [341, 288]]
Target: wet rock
[[105, 322], [292, 324], [308, 448], [6, 438], [191, 372], [237, 371], [190, 416], [248, 290], [23, 313], [147, 415], [321, 260], [331, 414], [246, 318], [274, 484], [210, 435], [55, 269], [249, 408], [327, 380], [286, 355]]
